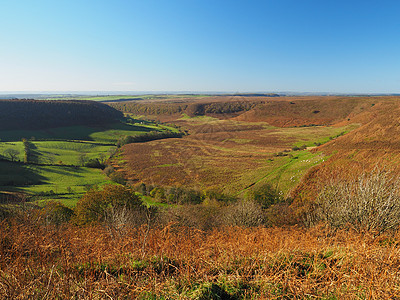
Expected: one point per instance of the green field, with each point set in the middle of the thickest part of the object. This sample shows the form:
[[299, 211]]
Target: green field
[[284, 172], [55, 168], [58, 152], [123, 97], [50, 182]]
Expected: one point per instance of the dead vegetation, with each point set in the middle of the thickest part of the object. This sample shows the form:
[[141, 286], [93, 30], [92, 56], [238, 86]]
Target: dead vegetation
[[66, 262]]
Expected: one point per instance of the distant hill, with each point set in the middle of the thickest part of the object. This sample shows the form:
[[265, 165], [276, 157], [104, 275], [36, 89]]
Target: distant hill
[[37, 114]]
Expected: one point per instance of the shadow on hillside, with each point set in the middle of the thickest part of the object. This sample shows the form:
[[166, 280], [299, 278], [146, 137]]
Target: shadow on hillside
[[14, 175], [83, 133]]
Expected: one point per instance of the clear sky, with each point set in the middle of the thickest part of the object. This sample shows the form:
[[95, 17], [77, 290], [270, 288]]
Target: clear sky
[[200, 45]]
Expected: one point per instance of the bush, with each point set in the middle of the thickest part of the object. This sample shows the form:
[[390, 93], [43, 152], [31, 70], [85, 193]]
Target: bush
[[117, 177], [200, 216], [371, 202], [244, 213], [172, 195], [281, 214], [265, 195], [94, 163], [55, 213], [219, 196], [108, 170], [149, 136], [94, 206]]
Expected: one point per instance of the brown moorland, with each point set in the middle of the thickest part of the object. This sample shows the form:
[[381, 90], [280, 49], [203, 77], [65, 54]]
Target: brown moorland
[[374, 144], [219, 154], [233, 150], [46, 262]]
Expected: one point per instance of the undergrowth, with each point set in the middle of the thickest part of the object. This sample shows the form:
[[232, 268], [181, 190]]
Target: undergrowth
[[40, 261]]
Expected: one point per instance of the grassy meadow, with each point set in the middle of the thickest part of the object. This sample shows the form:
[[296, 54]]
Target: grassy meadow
[[58, 152], [55, 168]]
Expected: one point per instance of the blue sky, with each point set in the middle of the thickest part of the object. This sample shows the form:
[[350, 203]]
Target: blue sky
[[200, 45]]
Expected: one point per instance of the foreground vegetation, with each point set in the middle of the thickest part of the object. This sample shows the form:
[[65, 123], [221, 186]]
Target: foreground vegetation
[[114, 246], [172, 262]]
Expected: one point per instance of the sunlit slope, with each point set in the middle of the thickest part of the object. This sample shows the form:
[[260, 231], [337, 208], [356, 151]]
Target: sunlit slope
[[232, 155], [376, 143], [308, 111]]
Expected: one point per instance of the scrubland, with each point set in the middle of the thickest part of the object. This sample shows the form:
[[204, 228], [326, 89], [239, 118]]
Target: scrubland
[[172, 262]]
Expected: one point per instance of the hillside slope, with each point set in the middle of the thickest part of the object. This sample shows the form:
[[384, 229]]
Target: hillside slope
[[308, 111], [34, 114], [374, 144]]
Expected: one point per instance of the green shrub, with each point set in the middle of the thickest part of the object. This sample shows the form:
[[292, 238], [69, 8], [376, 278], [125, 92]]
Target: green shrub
[[265, 195], [94, 163], [96, 204], [117, 177]]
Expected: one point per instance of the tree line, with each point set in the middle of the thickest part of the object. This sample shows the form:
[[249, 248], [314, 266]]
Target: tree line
[[148, 136]]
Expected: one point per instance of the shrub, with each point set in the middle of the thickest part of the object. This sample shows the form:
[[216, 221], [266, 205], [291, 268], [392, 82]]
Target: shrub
[[149, 136], [173, 195], [95, 204], [200, 216], [55, 213], [371, 202], [212, 194], [265, 195], [244, 213], [281, 214], [117, 177], [94, 163], [108, 170]]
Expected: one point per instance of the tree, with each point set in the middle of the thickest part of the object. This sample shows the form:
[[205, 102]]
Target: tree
[[11, 153], [102, 158], [82, 158]]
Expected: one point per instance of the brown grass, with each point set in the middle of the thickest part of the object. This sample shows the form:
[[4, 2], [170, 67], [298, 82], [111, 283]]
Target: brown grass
[[375, 143], [233, 152], [218, 154], [39, 262]]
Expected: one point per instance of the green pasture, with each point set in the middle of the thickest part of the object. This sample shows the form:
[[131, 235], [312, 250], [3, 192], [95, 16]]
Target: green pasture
[[69, 153], [286, 171], [59, 147], [17, 146], [283, 172], [58, 152], [309, 136], [122, 97], [51, 182]]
